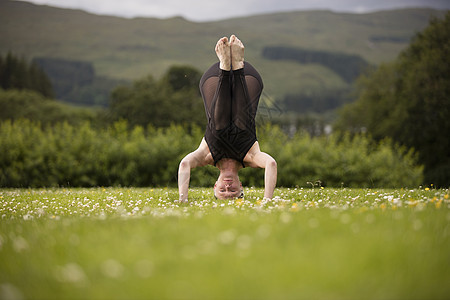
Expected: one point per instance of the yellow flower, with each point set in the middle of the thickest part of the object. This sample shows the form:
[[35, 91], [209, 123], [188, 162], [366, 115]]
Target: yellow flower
[[427, 189], [413, 203], [383, 206], [363, 209], [294, 207], [438, 204]]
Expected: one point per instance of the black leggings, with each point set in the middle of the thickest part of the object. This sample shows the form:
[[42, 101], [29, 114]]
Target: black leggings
[[231, 96]]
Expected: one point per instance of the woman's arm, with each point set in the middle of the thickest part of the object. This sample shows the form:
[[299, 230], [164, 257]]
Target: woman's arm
[[184, 176], [259, 159], [192, 160], [264, 160]]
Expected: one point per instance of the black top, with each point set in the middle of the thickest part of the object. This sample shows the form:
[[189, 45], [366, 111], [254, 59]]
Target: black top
[[230, 142]]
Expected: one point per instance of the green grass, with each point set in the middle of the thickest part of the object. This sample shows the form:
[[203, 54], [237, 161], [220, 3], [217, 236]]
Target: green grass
[[129, 243]]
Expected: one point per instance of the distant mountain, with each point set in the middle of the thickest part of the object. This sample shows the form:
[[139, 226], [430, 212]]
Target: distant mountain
[[128, 49]]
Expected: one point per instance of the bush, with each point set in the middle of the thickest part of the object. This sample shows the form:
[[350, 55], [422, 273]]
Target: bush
[[64, 155], [34, 155], [337, 161]]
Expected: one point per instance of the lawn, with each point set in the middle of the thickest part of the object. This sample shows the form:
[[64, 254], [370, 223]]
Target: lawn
[[138, 243]]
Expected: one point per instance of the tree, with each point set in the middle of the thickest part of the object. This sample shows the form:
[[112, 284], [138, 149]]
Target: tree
[[16, 73], [408, 100], [174, 98]]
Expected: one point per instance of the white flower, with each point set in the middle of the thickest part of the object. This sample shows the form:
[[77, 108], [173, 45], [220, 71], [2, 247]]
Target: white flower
[[20, 244], [112, 268], [71, 273], [226, 237]]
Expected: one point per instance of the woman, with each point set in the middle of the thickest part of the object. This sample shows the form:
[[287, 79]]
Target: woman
[[230, 90]]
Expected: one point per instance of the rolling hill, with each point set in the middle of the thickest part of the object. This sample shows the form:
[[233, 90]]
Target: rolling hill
[[128, 49]]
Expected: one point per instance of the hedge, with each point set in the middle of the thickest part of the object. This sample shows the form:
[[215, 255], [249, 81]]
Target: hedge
[[33, 155]]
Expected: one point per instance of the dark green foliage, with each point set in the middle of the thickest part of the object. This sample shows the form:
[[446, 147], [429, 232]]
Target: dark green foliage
[[76, 82], [174, 98], [182, 78], [66, 73], [95, 94], [318, 102], [16, 104], [349, 67], [336, 161], [64, 155], [408, 100], [16, 73]]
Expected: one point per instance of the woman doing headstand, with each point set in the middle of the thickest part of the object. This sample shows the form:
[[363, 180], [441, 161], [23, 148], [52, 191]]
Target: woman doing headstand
[[230, 90]]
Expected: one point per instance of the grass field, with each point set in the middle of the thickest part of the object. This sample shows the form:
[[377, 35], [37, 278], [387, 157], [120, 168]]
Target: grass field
[[129, 243]]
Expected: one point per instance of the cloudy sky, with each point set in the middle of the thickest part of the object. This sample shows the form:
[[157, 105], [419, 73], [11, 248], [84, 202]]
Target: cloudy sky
[[207, 10]]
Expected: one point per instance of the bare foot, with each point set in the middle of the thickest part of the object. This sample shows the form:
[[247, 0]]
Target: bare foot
[[223, 53], [237, 53]]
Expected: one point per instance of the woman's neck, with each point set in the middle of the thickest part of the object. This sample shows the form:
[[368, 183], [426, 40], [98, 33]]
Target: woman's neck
[[228, 167]]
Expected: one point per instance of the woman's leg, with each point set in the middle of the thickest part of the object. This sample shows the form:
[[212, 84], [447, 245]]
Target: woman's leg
[[231, 99], [215, 87], [246, 88], [246, 91]]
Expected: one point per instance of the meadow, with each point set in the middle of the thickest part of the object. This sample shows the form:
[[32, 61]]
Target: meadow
[[306, 243]]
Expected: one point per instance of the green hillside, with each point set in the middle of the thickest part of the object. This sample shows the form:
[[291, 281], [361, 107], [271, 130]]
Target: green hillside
[[123, 48]]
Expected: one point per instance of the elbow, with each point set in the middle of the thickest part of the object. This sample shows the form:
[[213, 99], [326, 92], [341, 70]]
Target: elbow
[[272, 164], [184, 164]]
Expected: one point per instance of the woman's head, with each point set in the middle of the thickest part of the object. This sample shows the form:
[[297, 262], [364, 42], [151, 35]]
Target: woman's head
[[228, 189], [228, 185]]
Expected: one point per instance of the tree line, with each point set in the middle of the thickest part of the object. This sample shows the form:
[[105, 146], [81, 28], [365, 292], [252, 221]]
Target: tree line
[[33, 155], [18, 73], [76, 82], [174, 98], [46, 143], [406, 101]]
